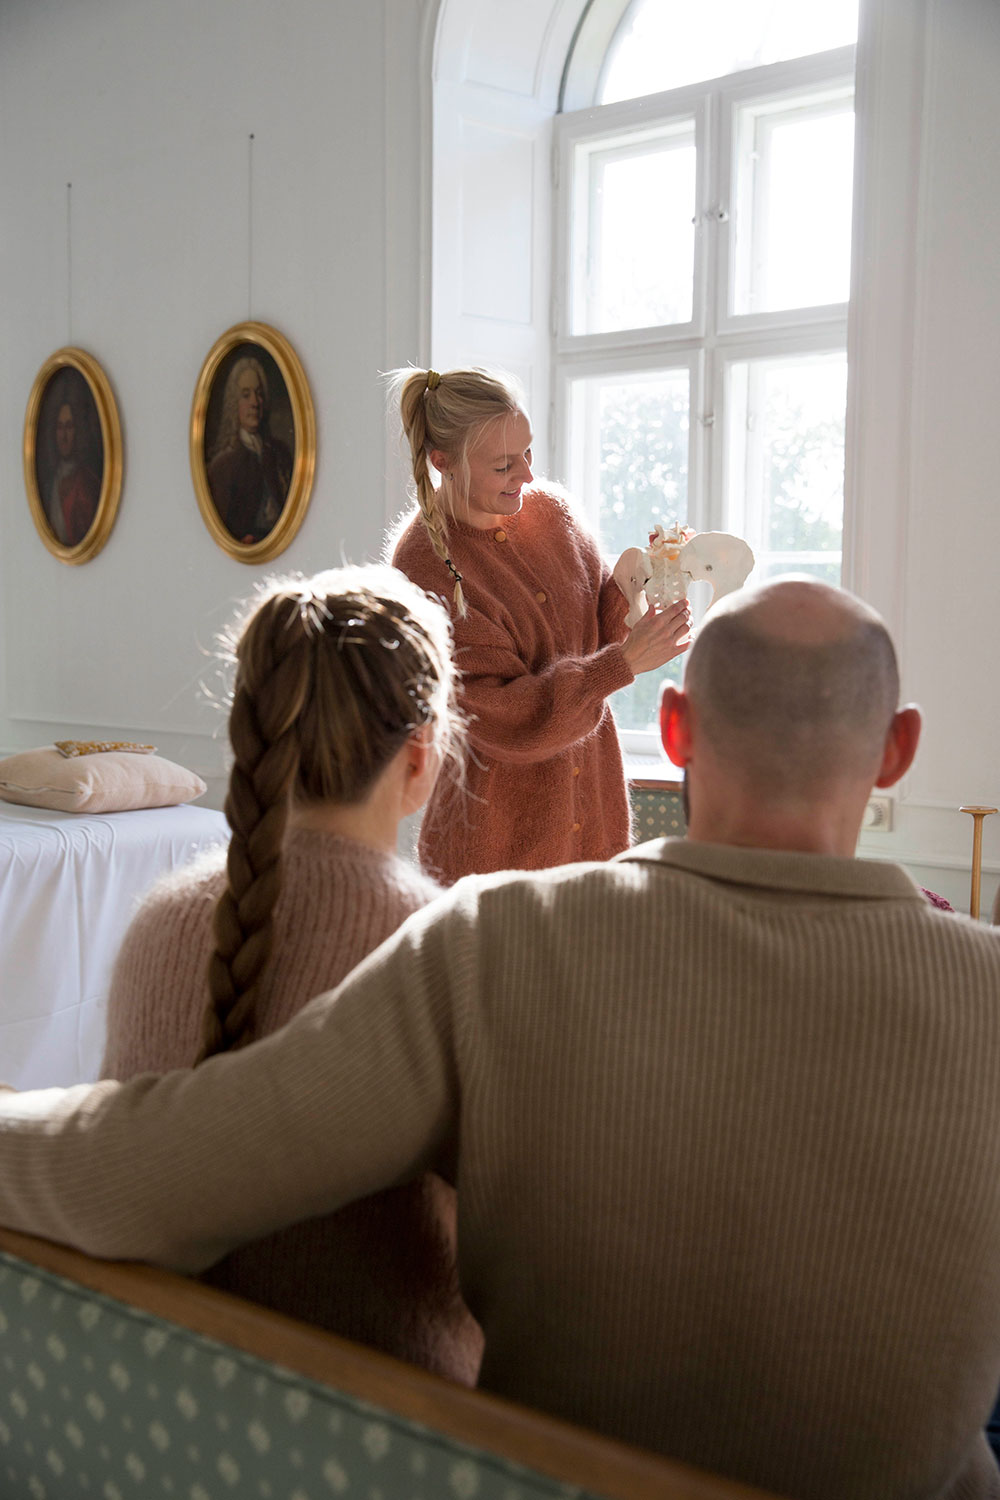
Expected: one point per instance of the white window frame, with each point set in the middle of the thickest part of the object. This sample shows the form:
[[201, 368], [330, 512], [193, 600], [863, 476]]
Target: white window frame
[[728, 453], [715, 336]]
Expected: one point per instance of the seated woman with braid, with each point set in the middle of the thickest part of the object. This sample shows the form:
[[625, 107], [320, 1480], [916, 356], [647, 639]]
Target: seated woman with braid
[[342, 712]]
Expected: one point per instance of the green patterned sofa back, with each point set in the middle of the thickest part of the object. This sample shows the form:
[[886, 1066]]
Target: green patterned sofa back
[[104, 1397], [657, 811]]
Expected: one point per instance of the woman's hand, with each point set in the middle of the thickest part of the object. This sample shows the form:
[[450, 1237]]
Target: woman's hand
[[658, 637]]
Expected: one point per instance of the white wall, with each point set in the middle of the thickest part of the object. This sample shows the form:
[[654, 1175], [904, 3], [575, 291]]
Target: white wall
[[146, 108], [497, 68], [924, 443]]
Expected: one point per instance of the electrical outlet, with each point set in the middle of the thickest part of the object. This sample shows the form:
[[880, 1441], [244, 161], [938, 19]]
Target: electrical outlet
[[878, 816]]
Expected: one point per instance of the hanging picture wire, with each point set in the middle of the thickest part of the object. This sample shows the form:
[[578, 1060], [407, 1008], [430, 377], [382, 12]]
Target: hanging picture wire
[[250, 227], [72, 446], [69, 263]]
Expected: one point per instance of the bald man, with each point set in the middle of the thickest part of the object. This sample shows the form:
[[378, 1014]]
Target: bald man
[[723, 1113], [790, 703]]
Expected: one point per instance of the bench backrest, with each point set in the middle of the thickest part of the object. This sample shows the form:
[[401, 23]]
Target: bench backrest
[[121, 1380], [657, 810]]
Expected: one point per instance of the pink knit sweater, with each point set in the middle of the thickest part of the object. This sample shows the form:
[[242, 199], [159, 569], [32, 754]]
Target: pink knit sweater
[[539, 652], [381, 1271]]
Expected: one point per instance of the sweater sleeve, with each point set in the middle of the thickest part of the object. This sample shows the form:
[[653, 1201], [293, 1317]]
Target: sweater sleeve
[[154, 1011], [359, 1092], [612, 607], [133, 1001], [523, 716], [516, 714]]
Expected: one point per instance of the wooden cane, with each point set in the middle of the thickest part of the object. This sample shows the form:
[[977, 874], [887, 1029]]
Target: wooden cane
[[978, 814]]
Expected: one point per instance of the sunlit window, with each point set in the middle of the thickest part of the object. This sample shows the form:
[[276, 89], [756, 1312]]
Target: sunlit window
[[794, 184], [634, 457], [665, 44], [700, 355], [634, 452], [786, 461], [639, 204]]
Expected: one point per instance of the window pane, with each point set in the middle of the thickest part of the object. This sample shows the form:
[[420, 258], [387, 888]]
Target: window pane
[[630, 446], [636, 268], [663, 44], [794, 186], [786, 462]]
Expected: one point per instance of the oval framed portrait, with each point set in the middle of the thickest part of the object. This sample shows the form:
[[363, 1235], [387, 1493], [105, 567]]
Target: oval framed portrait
[[72, 455], [253, 442]]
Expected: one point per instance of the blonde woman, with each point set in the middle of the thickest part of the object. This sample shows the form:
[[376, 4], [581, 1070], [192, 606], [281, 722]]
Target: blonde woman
[[342, 712], [540, 636]]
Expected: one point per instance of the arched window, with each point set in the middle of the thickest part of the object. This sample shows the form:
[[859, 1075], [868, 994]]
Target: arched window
[[702, 273], [662, 44]]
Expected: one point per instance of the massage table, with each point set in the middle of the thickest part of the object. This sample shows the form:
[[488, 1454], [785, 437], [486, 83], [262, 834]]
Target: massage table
[[69, 883]]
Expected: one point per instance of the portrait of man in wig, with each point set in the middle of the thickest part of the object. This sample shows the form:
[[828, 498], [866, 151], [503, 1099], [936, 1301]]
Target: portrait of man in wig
[[249, 470]]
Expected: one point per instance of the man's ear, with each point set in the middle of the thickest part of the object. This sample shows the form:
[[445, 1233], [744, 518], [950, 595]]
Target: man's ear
[[675, 724], [900, 745]]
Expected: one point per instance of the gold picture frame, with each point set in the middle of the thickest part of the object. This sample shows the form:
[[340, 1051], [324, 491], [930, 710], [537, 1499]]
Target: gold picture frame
[[252, 442], [73, 455]]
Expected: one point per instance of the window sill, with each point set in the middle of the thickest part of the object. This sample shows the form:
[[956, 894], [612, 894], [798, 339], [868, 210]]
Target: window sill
[[651, 772]]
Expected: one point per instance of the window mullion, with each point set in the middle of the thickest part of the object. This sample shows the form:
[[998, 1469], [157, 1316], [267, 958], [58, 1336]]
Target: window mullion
[[711, 408], [595, 243], [704, 238], [756, 418], [701, 458]]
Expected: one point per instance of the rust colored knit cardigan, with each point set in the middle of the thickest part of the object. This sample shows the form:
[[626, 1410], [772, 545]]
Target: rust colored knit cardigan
[[539, 652]]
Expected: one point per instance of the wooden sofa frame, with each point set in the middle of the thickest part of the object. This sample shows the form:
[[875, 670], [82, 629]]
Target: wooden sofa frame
[[553, 1450]]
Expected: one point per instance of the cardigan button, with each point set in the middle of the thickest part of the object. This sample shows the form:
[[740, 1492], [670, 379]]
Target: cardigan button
[[541, 596], [577, 827], [499, 536], [576, 770]]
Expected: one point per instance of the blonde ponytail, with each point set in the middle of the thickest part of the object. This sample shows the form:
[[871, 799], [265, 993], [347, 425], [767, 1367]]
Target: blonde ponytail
[[448, 412]]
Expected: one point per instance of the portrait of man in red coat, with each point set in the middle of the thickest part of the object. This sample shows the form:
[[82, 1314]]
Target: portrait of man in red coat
[[70, 459], [249, 470]]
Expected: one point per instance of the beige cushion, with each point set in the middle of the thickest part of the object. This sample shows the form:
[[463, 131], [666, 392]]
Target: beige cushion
[[113, 781]]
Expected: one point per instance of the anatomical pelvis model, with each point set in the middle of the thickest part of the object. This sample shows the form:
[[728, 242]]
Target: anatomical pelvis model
[[660, 573]]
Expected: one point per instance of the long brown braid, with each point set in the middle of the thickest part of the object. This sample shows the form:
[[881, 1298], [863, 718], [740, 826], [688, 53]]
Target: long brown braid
[[333, 674], [448, 412]]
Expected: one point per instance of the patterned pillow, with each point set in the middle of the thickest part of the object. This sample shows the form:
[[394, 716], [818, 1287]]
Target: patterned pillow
[[112, 781]]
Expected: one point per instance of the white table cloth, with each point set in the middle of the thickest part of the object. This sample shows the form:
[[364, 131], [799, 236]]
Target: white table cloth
[[69, 883]]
